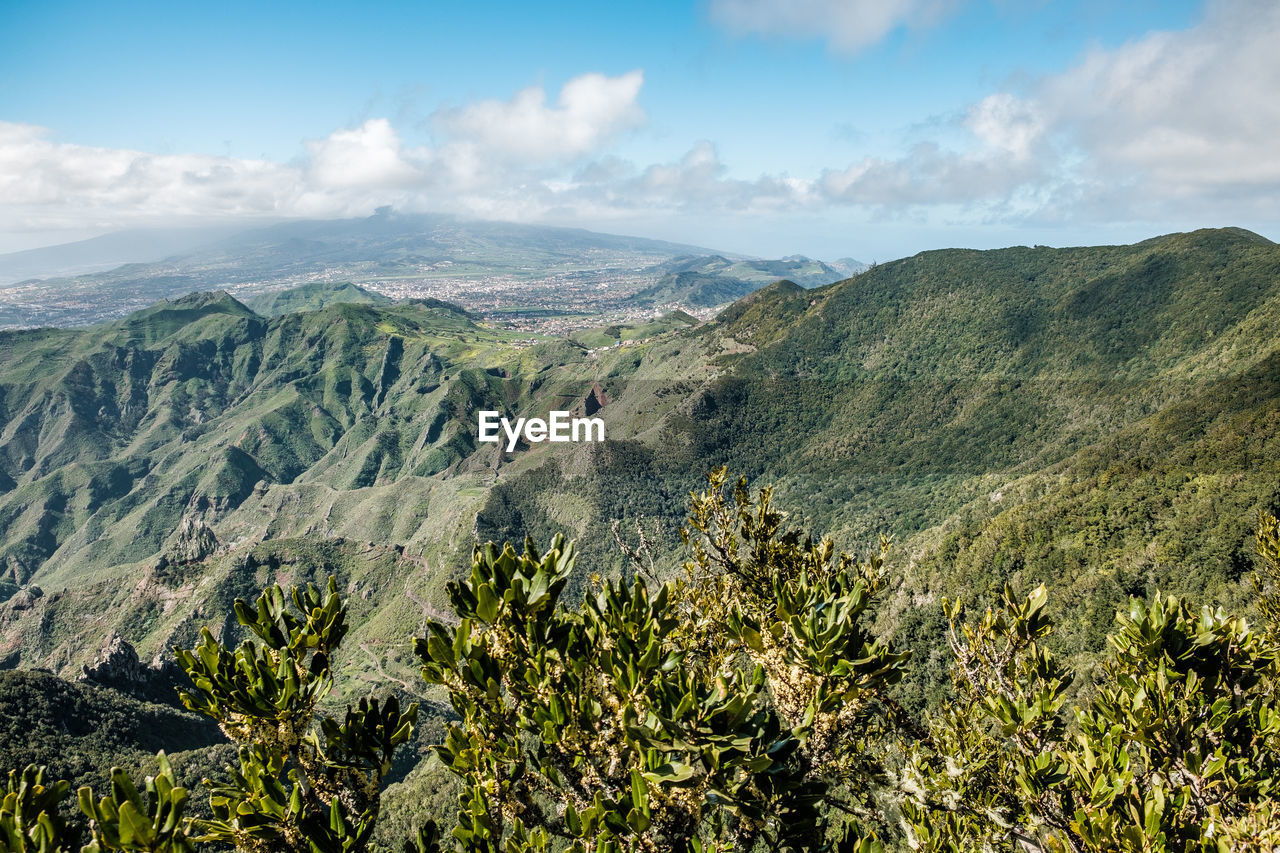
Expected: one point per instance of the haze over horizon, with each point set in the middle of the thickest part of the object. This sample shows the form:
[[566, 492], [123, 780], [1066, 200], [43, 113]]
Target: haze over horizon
[[834, 129]]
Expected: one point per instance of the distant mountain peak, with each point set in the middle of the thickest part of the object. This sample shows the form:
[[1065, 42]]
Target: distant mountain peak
[[312, 297], [203, 298]]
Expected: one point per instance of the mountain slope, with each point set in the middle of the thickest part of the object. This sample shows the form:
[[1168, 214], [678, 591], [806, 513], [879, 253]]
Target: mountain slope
[[986, 408], [105, 252], [114, 433], [709, 282], [962, 364], [897, 400]]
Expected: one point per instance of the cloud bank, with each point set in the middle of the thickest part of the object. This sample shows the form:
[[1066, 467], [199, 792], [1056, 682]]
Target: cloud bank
[[1172, 126]]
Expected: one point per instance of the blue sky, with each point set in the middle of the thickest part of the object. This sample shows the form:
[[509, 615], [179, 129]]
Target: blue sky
[[863, 128]]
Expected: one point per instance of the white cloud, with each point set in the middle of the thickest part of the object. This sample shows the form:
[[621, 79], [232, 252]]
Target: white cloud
[[1172, 127], [701, 181], [698, 182], [47, 184], [370, 155], [1006, 123], [928, 175], [591, 111], [492, 158], [850, 25], [1178, 117]]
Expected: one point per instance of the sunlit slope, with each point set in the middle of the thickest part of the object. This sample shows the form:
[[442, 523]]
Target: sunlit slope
[[890, 401], [892, 393], [113, 433], [1102, 418]]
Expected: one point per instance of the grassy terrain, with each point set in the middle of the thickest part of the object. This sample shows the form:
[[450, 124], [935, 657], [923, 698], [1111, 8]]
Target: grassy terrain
[[607, 336]]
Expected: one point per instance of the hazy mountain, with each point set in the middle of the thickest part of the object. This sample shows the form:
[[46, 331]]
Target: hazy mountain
[[405, 254], [714, 280], [98, 254], [848, 266]]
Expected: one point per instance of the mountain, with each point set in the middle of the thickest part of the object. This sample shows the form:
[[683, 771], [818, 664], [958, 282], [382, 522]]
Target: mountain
[[312, 297], [105, 252], [1076, 416], [132, 451], [404, 255], [1102, 418], [714, 280], [848, 267]]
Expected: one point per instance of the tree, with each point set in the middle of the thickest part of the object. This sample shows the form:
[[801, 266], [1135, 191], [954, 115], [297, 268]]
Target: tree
[[714, 712], [125, 821], [298, 787], [1266, 582], [1179, 749], [743, 705]]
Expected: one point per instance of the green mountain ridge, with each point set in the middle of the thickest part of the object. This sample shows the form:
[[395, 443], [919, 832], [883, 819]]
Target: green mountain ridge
[[989, 409], [714, 281], [312, 297], [894, 400]]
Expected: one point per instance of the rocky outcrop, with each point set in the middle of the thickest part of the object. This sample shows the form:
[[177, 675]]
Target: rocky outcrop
[[191, 542], [117, 665], [25, 598], [595, 400]]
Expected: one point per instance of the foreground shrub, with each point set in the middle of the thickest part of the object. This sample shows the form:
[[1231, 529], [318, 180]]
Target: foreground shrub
[[744, 705], [735, 707], [1179, 748]]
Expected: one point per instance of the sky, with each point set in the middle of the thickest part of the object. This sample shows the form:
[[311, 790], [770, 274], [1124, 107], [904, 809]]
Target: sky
[[870, 129]]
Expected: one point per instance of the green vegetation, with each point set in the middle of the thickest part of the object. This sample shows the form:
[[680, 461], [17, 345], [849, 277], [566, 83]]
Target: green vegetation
[[899, 400], [1103, 421], [744, 706], [1178, 750], [607, 336], [80, 730], [713, 281], [124, 820], [296, 787], [646, 720], [312, 297]]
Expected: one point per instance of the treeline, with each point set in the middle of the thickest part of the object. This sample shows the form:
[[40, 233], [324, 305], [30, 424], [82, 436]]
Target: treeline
[[748, 704]]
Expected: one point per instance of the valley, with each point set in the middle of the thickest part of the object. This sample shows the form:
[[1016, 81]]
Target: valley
[[1102, 420]]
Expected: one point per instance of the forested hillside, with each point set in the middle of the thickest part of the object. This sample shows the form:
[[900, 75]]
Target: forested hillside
[[1101, 420], [1119, 403]]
